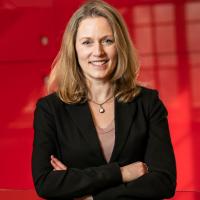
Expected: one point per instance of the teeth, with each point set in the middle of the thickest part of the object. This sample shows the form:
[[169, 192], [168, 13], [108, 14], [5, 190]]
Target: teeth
[[99, 62]]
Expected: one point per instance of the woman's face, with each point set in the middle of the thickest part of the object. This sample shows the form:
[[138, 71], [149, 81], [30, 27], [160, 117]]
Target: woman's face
[[95, 48]]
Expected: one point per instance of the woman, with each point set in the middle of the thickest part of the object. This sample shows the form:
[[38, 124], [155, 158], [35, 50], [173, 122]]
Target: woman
[[100, 135]]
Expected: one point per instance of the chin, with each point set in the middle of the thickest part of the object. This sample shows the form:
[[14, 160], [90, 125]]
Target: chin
[[97, 77]]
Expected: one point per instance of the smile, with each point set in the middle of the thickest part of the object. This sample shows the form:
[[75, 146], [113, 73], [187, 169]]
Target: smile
[[99, 62]]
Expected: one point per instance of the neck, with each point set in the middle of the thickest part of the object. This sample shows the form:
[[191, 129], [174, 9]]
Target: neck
[[100, 91]]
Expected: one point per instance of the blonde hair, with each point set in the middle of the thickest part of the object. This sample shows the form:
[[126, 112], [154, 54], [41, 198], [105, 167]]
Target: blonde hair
[[66, 77]]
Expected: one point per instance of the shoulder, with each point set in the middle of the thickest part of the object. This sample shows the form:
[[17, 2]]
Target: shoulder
[[149, 101], [146, 94], [51, 98], [49, 102]]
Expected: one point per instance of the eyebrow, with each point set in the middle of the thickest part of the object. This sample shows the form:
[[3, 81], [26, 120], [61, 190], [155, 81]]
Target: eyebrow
[[85, 37]]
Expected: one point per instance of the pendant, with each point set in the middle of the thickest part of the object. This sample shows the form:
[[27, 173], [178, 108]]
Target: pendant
[[101, 109]]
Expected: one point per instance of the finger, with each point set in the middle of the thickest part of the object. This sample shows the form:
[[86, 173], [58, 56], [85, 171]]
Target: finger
[[56, 167], [58, 163]]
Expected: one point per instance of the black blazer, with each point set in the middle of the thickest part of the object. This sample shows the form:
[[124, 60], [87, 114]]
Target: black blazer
[[68, 132]]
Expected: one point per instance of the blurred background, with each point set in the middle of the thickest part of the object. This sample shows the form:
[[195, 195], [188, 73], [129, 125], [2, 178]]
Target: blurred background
[[167, 36]]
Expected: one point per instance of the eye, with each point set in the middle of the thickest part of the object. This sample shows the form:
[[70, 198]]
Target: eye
[[87, 42], [108, 41]]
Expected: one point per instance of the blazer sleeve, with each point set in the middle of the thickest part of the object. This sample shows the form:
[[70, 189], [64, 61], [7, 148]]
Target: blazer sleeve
[[160, 182], [64, 184]]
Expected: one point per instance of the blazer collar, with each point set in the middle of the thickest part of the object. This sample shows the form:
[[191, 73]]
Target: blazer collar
[[124, 115]]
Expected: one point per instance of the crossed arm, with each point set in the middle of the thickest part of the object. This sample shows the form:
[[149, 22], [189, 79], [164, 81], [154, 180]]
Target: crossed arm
[[129, 172]]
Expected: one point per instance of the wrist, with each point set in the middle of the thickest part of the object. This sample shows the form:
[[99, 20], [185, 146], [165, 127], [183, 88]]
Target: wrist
[[124, 174]]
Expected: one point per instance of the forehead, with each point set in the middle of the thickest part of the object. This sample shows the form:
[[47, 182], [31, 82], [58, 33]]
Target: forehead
[[94, 26]]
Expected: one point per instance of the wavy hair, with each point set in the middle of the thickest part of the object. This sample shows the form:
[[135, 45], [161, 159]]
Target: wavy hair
[[66, 77]]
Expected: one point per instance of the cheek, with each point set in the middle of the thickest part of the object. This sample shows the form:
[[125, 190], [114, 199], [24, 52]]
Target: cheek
[[82, 54], [114, 56], [82, 58], [112, 52]]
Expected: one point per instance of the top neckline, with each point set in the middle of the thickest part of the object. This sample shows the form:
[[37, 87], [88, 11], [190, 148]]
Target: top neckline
[[110, 126]]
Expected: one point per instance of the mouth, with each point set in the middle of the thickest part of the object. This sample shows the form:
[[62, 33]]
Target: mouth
[[99, 62]]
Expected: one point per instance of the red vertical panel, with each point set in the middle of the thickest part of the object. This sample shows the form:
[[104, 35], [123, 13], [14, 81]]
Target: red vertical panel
[[184, 143]]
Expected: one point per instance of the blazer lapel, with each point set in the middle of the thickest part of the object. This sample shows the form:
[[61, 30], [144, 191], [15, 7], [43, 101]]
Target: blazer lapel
[[124, 115], [81, 115]]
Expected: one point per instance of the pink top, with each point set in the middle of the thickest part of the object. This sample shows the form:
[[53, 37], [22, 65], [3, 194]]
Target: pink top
[[107, 139]]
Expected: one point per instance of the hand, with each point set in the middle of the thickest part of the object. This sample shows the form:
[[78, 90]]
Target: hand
[[133, 171], [57, 164]]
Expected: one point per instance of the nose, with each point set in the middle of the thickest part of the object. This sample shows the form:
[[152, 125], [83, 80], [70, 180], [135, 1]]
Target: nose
[[98, 50]]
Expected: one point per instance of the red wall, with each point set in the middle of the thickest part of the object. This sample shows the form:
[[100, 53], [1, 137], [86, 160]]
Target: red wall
[[166, 34]]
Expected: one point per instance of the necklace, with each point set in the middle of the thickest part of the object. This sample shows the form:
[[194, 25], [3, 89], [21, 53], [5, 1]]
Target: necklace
[[101, 108]]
